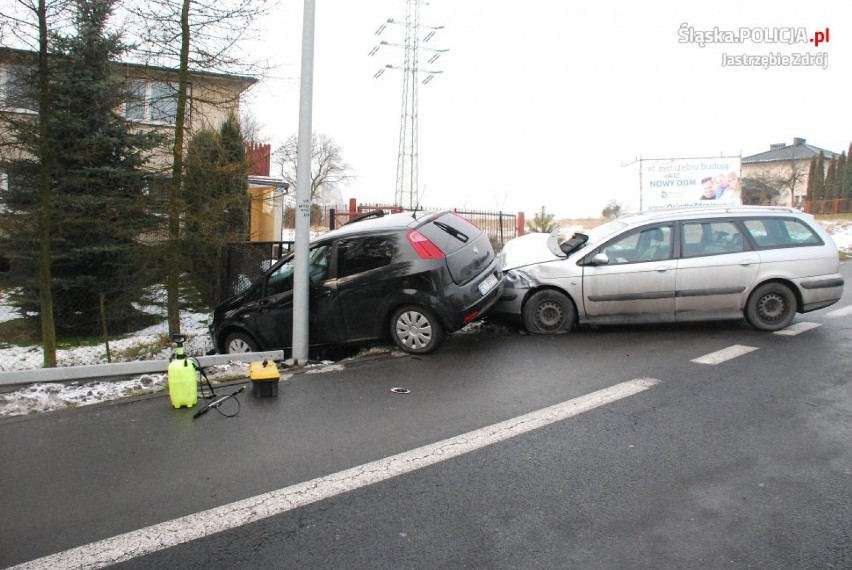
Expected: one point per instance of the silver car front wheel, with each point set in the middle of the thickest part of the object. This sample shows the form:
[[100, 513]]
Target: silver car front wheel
[[549, 312]]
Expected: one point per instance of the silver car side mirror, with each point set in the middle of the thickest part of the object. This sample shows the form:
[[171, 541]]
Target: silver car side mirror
[[599, 259]]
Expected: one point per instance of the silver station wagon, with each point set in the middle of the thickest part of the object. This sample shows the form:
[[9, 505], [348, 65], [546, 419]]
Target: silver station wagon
[[761, 263]]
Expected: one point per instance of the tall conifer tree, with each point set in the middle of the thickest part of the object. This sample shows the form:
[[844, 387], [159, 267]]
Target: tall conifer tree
[[217, 203], [98, 209]]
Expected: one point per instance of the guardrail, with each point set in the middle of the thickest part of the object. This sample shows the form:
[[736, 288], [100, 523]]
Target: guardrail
[[123, 369]]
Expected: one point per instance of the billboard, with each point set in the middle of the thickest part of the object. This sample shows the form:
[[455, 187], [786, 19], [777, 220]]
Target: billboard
[[678, 182]]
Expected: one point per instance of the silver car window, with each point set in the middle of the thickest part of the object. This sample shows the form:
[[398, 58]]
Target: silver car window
[[710, 237], [781, 232], [648, 244]]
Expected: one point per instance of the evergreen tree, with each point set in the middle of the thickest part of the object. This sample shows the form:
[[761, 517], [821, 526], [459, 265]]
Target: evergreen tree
[[541, 223], [847, 178], [818, 176], [811, 179], [97, 208], [839, 176], [217, 204], [828, 185]]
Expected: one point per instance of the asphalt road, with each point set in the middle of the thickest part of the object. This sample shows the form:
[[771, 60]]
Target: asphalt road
[[737, 463]]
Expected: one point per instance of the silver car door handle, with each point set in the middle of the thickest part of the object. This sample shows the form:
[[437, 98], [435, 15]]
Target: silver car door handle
[[663, 268], [747, 262]]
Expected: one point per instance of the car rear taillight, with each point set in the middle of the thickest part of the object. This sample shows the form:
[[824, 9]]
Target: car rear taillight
[[470, 316], [424, 248]]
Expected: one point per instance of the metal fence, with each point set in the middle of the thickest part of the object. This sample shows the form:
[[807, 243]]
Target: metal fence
[[500, 226], [108, 338], [246, 261], [839, 206]]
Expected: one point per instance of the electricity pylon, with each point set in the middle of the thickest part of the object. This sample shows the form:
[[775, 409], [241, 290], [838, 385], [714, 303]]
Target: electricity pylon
[[407, 193]]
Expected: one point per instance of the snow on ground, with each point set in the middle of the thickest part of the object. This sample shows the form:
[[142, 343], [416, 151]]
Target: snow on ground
[[841, 233], [46, 397], [49, 396], [7, 311]]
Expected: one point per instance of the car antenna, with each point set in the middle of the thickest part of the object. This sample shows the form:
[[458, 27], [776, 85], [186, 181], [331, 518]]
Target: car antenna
[[417, 205]]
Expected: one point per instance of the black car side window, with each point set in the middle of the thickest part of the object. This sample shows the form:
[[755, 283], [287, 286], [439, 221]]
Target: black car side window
[[281, 279], [357, 255]]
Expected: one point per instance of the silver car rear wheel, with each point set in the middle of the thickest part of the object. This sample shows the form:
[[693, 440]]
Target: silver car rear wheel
[[415, 330], [771, 307]]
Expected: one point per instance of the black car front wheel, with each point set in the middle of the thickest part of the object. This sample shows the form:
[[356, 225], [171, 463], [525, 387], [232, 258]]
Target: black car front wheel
[[549, 312], [771, 307], [238, 342], [415, 330]]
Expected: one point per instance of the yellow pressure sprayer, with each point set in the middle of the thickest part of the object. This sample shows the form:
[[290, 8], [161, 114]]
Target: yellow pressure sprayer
[[183, 376]]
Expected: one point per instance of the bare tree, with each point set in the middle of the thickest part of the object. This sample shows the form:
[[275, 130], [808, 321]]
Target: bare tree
[[252, 128], [612, 210], [30, 24], [762, 189], [775, 181], [328, 169], [199, 35]]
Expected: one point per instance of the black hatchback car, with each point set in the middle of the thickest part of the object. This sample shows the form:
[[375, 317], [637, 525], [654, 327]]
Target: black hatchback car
[[412, 277]]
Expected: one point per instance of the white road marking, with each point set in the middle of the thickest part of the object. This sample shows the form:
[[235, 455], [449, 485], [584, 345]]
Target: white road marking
[[844, 312], [199, 525], [724, 355], [798, 328]]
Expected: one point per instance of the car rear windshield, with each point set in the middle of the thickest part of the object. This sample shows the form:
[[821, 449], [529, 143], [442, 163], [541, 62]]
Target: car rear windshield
[[449, 232], [781, 232]]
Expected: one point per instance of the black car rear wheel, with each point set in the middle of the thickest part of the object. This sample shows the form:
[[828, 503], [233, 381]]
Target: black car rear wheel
[[415, 330], [771, 307], [549, 312], [239, 342]]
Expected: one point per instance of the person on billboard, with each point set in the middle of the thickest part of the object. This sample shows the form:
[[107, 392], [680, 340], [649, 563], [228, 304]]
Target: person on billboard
[[708, 189], [727, 186]]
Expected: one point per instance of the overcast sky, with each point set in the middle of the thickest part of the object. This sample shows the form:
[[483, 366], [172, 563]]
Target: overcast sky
[[544, 102]]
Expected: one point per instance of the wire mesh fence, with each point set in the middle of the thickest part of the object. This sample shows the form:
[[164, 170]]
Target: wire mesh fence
[[108, 336]]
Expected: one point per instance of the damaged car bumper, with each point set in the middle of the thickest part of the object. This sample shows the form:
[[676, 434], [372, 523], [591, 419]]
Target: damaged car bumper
[[516, 285]]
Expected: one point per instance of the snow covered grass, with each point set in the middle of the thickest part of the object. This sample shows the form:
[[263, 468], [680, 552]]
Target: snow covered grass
[[150, 343], [45, 397]]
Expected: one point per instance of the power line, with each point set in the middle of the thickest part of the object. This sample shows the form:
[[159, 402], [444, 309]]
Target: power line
[[407, 192]]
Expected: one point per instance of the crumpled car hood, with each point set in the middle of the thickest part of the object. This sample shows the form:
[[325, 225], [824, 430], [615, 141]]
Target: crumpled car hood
[[529, 249]]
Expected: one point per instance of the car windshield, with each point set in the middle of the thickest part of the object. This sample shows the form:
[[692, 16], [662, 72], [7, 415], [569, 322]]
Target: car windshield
[[603, 231]]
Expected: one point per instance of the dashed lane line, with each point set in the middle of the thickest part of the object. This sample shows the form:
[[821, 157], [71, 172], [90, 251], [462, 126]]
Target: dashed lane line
[[844, 312], [797, 328], [199, 525], [724, 355]]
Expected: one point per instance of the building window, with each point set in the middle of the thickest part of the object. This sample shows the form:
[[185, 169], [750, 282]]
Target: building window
[[13, 93], [152, 102]]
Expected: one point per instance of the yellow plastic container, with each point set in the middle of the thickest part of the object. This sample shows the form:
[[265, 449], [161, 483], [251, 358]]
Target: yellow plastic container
[[264, 379], [265, 370], [183, 383]]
